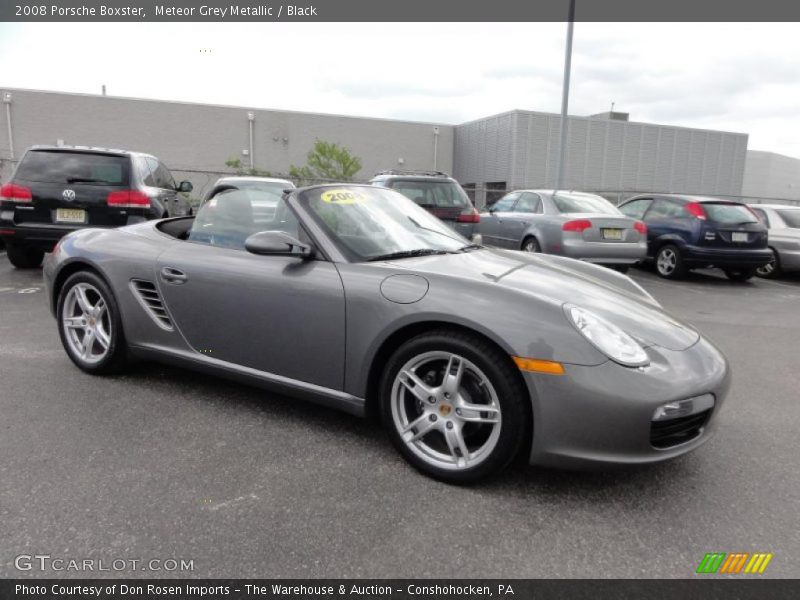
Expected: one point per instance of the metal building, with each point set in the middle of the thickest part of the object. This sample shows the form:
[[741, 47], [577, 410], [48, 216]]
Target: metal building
[[768, 175], [191, 138], [605, 153]]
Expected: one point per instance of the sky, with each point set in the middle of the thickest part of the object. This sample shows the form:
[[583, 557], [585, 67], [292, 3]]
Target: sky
[[741, 77]]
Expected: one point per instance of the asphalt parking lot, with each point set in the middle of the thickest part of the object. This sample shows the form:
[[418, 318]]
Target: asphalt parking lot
[[164, 463]]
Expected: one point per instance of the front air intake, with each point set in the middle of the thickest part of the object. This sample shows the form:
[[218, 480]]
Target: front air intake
[[150, 299]]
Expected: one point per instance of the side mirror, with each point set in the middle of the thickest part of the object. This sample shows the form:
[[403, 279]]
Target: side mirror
[[185, 186], [277, 243]]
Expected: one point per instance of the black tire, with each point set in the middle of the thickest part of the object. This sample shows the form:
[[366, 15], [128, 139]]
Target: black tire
[[773, 269], [512, 398], [530, 244], [25, 257], [116, 355], [670, 254], [739, 274]]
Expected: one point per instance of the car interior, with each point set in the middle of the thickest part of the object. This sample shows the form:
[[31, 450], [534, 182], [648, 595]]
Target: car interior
[[227, 220]]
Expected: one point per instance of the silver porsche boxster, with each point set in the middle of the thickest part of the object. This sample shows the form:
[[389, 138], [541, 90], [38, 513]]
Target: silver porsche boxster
[[357, 298]]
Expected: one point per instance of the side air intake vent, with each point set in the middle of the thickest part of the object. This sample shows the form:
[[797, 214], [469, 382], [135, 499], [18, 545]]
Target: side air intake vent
[[147, 294]]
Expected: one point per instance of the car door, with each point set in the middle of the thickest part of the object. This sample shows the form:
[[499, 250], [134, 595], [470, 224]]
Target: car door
[[520, 218], [491, 223], [667, 218], [164, 183], [276, 314]]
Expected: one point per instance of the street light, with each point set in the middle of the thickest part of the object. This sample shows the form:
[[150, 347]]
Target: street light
[[562, 155]]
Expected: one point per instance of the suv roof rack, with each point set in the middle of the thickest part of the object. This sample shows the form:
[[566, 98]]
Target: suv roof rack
[[412, 172]]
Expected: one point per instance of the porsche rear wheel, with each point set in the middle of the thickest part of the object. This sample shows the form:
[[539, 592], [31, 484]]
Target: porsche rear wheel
[[453, 406], [89, 324]]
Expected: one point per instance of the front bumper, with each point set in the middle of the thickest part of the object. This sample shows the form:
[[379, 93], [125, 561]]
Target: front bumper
[[594, 417], [719, 257], [790, 259]]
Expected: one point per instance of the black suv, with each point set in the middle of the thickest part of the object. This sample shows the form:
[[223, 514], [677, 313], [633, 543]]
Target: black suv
[[438, 193], [689, 232], [55, 190]]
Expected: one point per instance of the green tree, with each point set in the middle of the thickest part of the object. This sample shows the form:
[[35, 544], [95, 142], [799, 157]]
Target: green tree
[[327, 161]]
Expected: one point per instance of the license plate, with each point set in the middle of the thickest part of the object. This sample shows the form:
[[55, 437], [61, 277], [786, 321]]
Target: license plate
[[70, 215], [612, 234], [738, 236]]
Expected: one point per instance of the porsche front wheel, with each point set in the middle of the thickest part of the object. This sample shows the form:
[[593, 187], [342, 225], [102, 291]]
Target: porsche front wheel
[[90, 325], [453, 406]]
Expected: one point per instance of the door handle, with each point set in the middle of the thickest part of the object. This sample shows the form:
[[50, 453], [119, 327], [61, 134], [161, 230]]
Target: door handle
[[171, 275]]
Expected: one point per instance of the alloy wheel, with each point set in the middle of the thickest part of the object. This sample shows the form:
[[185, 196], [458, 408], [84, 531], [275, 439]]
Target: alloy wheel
[[531, 246], [768, 269], [87, 323], [667, 261], [446, 410]]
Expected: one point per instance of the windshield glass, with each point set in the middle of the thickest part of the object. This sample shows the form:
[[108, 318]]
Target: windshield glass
[[790, 216], [583, 203], [370, 223], [432, 193], [729, 214]]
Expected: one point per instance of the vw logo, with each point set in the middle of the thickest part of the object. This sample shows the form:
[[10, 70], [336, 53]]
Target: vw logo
[[68, 195]]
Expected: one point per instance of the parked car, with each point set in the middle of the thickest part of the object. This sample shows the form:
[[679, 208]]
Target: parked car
[[784, 237], [346, 298], [56, 190], [264, 191], [436, 192], [690, 232], [573, 224]]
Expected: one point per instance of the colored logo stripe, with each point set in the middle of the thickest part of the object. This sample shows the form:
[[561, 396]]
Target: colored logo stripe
[[721, 562], [758, 563], [711, 562]]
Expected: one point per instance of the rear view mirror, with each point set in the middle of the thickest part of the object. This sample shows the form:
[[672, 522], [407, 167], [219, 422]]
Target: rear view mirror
[[185, 187], [277, 243]]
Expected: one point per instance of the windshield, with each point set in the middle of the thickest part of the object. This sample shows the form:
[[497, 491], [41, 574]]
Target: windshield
[[432, 193], [790, 216], [371, 223], [726, 213], [583, 203]]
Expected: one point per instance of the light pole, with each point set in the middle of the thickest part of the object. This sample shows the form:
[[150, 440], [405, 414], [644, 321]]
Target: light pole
[[562, 154]]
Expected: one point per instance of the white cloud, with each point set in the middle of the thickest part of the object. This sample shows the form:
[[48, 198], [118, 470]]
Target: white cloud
[[730, 76]]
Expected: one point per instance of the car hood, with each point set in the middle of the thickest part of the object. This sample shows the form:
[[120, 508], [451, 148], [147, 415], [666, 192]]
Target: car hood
[[558, 280]]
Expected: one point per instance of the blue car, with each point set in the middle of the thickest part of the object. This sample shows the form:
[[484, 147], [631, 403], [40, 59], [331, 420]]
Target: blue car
[[689, 232]]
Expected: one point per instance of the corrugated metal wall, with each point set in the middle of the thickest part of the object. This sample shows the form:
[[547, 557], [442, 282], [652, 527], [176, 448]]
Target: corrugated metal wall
[[521, 148]]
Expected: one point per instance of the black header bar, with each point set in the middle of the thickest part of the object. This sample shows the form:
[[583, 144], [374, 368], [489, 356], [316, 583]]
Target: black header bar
[[398, 10]]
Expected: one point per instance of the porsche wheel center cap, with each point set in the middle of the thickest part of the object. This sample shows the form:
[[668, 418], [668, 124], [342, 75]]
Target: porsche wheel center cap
[[445, 409]]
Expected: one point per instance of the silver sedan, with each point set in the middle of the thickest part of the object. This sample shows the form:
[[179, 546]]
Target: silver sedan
[[784, 237], [573, 224]]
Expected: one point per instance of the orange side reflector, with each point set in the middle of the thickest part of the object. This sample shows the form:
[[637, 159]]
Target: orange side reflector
[[539, 366]]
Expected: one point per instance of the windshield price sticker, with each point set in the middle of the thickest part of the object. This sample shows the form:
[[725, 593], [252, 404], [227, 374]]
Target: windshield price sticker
[[343, 197]]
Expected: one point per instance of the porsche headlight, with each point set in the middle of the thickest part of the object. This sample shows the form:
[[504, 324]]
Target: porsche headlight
[[607, 337]]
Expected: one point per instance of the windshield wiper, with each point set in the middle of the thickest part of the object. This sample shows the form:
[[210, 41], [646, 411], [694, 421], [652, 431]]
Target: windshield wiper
[[469, 247], [407, 254], [86, 180]]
